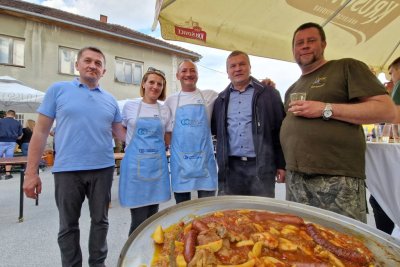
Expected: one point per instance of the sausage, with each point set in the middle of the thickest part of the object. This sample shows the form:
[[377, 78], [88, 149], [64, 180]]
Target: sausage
[[199, 226], [348, 254], [284, 218], [190, 245]]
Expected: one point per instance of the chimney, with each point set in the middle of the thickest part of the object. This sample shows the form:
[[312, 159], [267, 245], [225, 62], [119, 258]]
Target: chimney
[[103, 18]]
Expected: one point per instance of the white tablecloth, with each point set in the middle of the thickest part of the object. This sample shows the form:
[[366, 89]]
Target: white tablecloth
[[382, 168]]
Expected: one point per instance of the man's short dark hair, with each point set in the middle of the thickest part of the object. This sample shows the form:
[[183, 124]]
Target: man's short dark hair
[[237, 53], [310, 25], [11, 112], [91, 48], [395, 63]]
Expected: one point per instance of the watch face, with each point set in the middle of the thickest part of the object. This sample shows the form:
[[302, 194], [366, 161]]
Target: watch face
[[327, 113]]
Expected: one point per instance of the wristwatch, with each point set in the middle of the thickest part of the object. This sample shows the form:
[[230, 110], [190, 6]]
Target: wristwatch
[[327, 112]]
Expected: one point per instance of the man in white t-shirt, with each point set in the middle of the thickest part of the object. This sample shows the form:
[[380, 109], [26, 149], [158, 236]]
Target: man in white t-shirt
[[193, 165]]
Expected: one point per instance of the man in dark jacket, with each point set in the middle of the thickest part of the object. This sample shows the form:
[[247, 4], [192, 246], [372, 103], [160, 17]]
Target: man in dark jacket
[[246, 120], [10, 132]]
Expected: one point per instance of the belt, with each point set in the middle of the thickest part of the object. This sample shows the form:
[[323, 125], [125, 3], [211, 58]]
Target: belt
[[242, 158]]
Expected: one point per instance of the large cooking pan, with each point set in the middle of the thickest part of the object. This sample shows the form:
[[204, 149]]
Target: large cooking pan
[[139, 249]]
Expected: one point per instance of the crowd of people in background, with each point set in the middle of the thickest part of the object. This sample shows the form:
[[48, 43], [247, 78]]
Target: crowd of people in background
[[314, 145]]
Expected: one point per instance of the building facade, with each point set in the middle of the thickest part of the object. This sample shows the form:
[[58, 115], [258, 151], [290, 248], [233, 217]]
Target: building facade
[[39, 45]]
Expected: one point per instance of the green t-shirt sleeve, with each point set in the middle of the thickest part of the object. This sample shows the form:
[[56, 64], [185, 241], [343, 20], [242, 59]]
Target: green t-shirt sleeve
[[361, 81]]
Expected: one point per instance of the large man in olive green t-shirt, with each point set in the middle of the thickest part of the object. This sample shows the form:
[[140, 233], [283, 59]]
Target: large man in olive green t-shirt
[[321, 136]]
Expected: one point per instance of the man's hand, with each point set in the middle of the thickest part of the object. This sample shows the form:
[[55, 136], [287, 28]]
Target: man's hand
[[280, 175], [306, 108], [32, 185], [268, 82]]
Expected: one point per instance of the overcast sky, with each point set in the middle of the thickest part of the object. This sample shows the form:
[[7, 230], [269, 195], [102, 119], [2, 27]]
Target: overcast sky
[[139, 15]]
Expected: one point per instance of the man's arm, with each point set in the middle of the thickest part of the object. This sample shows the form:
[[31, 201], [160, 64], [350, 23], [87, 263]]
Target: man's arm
[[119, 131], [397, 120], [368, 110], [167, 139], [32, 183], [21, 130]]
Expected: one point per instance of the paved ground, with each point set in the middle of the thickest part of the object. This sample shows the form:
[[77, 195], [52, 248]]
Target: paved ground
[[33, 243]]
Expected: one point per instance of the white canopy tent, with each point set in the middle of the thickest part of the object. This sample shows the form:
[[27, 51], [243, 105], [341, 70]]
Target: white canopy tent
[[122, 102], [365, 30], [17, 96]]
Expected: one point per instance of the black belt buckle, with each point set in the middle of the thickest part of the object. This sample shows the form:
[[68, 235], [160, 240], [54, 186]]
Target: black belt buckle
[[242, 158]]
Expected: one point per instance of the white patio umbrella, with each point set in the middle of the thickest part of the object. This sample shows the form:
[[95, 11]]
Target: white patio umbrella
[[17, 96]]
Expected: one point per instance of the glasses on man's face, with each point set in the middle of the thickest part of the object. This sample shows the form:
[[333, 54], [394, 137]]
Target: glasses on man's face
[[151, 69]]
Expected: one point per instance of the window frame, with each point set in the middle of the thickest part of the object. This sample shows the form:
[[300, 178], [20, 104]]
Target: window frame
[[61, 49], [12, 57], [135, 77], [21, 118]]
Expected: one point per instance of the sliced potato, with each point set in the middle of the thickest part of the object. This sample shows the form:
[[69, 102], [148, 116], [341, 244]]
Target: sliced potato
[[243, 211], [258, 227], [322, 252], [249, 263], [268, 239], [271, 261], [245, 243], [158, 235], [274, 231], [180, 261], [287, 245], [257, 249], [335, 261], [292, 227], [289, 230], [212, 246], [178, 245], [218, 214]]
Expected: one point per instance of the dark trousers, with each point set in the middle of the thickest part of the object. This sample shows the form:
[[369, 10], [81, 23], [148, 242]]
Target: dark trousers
[[243, 179], [71, 188], [382, 221], [139, 215], [185, 196]]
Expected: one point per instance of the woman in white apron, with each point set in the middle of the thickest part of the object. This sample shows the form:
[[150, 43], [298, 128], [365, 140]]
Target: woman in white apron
[[144, 176]]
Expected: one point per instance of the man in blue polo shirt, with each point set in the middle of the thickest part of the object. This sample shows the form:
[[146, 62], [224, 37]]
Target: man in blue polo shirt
[[87, 117], [10, 132]]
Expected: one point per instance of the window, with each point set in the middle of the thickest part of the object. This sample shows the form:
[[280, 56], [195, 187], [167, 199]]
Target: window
[[20, 118], [67, 58], [12, 51], [128, 71]]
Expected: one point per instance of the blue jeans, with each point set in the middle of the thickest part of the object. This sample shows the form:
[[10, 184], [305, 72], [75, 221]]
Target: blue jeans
[[24, 148], [7, 149], [71, 188]]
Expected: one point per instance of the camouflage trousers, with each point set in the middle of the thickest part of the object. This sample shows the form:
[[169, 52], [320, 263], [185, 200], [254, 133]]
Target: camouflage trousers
[[341, 194]]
